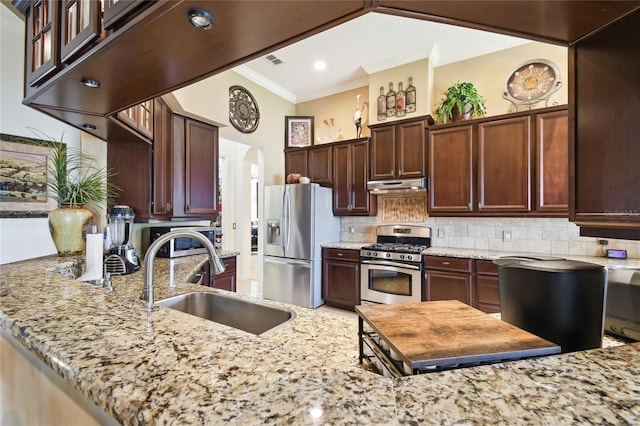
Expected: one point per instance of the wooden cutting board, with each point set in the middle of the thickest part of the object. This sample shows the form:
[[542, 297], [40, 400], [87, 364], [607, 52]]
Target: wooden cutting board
[[449, 332]]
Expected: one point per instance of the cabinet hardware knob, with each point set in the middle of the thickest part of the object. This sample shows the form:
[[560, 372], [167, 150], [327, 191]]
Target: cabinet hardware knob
[[479, 206], [188, 208], [340, 254], [168, 206], [446, 263], [470, 206]]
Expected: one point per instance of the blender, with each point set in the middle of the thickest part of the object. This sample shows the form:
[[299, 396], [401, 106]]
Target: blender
[[122, 258]]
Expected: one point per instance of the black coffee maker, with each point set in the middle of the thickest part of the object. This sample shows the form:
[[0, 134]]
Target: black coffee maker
[[122, 258]]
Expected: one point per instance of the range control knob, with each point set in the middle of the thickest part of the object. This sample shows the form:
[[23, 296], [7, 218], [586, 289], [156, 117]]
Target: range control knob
[[402, 256], [409, 257], [388, 255]]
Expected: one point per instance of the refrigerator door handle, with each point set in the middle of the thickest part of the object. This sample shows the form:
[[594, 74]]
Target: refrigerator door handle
[[287, 261], [283, 221], [287, 220]]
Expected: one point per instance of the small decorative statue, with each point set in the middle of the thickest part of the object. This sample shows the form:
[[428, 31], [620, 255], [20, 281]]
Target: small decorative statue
[[357, 117]]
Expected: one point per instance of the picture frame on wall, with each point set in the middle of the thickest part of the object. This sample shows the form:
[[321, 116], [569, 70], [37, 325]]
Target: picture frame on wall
[[298, 132], [23, 177]]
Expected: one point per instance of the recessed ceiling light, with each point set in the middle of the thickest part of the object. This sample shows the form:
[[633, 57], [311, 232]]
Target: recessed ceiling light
[[200, 18], [88, 126], [90, 82], [320, 66]]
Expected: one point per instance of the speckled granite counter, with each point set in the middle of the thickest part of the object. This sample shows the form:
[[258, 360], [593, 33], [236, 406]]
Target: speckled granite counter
[[167, 367]]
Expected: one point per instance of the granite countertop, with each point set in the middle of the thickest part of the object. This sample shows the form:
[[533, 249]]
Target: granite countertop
[[164, 366]]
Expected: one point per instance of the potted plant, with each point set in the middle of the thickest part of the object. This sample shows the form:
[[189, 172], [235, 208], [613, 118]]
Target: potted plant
[[461, 101], [80, 188]]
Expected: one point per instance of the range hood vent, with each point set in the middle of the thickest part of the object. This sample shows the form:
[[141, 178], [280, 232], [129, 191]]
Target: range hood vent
[[397, 186]]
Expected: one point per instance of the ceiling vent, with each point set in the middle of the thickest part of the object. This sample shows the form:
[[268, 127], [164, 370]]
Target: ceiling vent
[[273, 59]]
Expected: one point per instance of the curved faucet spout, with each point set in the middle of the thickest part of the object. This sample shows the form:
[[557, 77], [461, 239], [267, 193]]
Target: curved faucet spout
[[215, 264]]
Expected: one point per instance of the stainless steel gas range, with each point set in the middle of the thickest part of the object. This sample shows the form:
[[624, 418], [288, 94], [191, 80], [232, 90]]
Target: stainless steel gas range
[[391, 268]]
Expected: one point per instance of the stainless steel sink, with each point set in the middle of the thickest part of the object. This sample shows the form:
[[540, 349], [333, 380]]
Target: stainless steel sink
[[245, 315]]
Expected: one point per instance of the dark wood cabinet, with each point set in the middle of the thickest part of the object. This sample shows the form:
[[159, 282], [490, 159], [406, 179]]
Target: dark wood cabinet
[[296, 162], [486, 294], [42, 57], [350, 175], [80, 24], [341, 277], [320, 165], [447, 278], [144, 170], [195, 191], [139, 118], [117, 11], [504, 165], [398, 150], [552, 162], [225, 280], [604, 148], [487, 167]]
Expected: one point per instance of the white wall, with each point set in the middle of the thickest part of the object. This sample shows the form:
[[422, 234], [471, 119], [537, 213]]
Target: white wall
[[22, 239]]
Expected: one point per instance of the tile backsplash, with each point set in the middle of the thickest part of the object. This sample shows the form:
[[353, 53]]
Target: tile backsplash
[[554, 236]]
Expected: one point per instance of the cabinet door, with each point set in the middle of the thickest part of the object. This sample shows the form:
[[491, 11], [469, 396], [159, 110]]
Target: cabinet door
[[410, 150], [80, 25], [383, 153], [363, 203], [342, 179], [42, 41], [341, 283], [226, 280], [132, 163], [486, 292], [320, 165], [116, 10], [296, 162], [552, 162], [451, 170], [448, 286], [162, 160], [504, 166], [201, 168]]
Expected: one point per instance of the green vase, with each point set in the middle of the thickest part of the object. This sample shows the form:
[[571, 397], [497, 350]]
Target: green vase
[[67, 225]]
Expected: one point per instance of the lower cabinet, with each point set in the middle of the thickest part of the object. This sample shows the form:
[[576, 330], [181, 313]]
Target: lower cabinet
[[447, 278], [224, 281], [341, 277], [486, 292]]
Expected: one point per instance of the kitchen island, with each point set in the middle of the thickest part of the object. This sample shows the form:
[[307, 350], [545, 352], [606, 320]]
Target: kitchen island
[[164, 366]]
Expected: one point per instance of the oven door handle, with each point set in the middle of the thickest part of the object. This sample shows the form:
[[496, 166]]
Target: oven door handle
[[393, 264]]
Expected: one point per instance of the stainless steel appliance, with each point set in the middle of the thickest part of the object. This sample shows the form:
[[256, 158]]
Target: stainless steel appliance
[[183, 246], [397, 186], [297, 220], [622, 315], [122, 258], [391, 268]]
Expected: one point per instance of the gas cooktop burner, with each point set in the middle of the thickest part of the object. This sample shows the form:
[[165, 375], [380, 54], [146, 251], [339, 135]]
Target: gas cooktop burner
[[396, 247]]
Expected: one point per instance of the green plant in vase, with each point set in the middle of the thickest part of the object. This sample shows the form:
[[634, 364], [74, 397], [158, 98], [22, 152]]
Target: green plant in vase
[[461, 101], [80, 188]]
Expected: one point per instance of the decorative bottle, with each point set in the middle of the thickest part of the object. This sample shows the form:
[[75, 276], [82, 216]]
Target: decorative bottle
[[391, 101], [410, 96], [382, 105], [400, 101]]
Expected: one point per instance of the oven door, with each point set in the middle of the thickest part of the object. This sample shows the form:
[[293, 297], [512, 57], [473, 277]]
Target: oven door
[[389, 282]]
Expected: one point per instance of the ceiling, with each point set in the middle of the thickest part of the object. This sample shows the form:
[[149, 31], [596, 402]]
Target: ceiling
[[368, 44]]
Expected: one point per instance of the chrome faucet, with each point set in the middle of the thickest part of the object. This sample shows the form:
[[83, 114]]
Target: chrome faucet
[[215, 264]]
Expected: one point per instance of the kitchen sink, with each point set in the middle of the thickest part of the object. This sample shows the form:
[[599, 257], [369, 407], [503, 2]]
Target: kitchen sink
[[252, 317]]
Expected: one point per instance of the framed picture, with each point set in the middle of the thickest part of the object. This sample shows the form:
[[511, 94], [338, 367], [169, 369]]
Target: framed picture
[[23, 177], [298, 132]]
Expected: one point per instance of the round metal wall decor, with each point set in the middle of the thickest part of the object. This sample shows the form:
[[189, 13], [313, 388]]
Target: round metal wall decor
[[532, 82], [243, 109]]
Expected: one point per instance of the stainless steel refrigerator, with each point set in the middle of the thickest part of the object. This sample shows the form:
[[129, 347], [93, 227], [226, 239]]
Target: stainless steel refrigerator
[[298, 219]]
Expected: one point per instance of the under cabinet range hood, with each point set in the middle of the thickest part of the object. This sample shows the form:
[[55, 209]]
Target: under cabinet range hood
[[397, 186]]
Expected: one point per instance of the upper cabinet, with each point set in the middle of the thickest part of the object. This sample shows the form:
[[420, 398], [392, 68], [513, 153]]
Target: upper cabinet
[[42, 57], [195, 190], [80, 25], [398, 150], [604, 148], [315, 162], [487, 167], [350, 176], [139, 118]]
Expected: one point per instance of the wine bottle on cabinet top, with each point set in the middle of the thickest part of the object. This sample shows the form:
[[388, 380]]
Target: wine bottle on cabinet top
[[391, 101], [410, 96], [400, 101], [382, 105]]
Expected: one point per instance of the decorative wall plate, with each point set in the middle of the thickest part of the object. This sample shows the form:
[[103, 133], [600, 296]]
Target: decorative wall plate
[[243, 109], [532, 82]]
